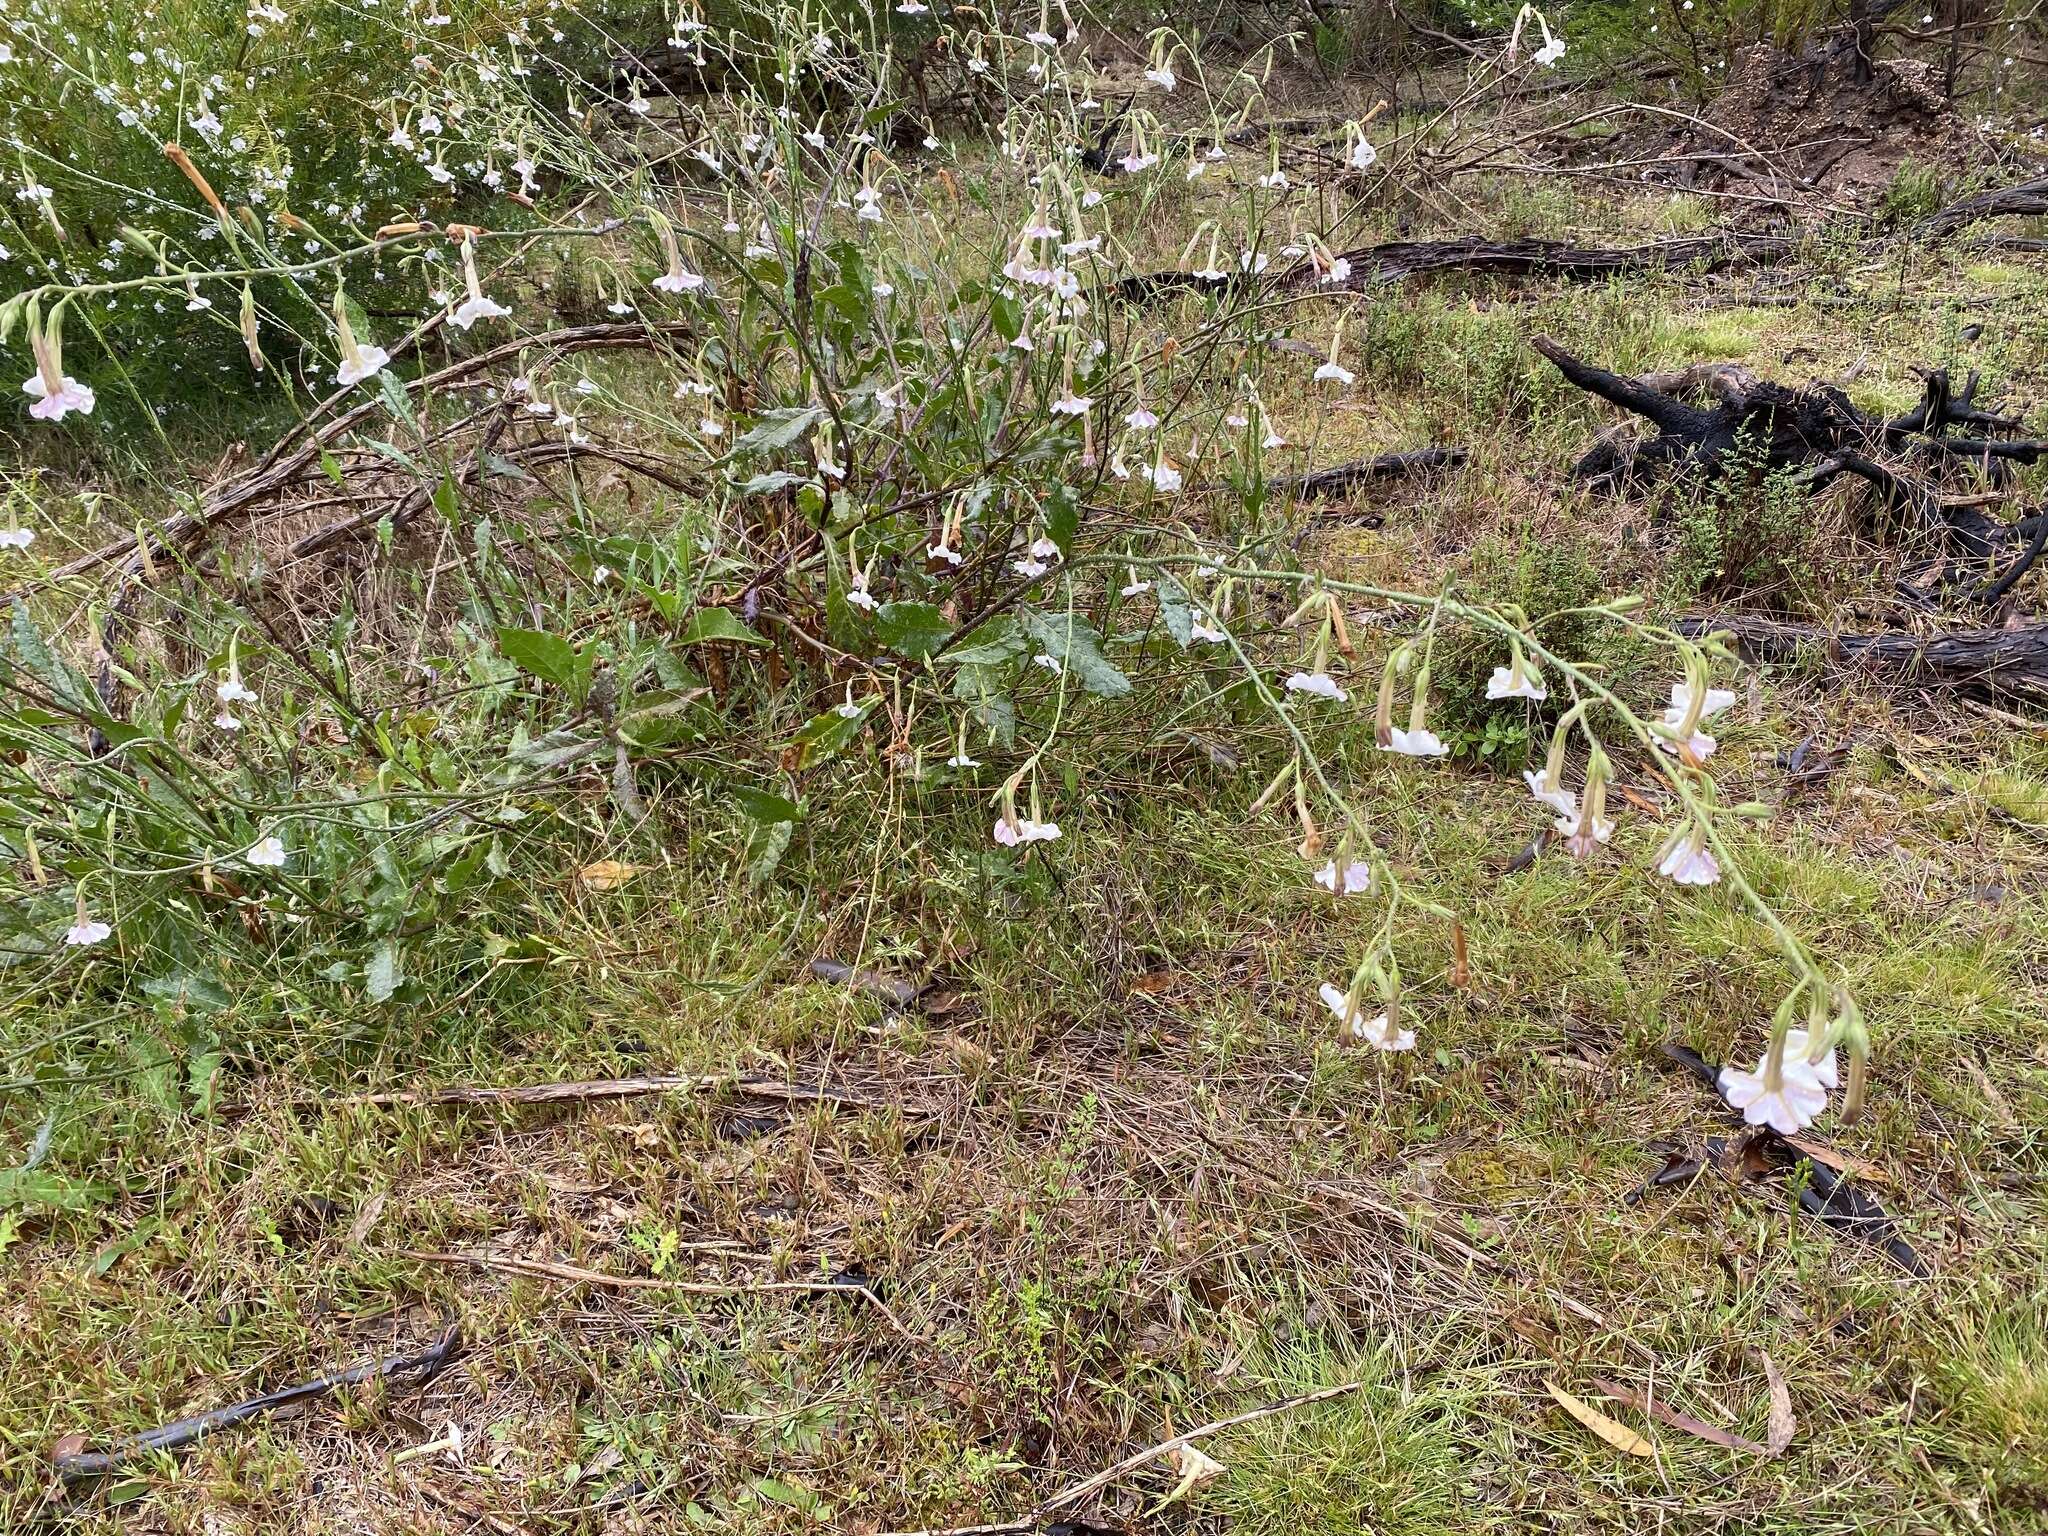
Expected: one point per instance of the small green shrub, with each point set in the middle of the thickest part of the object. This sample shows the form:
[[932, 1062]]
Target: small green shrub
[[1750, 535]]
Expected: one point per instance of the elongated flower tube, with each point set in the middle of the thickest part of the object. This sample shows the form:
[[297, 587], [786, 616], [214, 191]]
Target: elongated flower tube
[[358, 362], [1334, 372], [175, 153], [1587, 827], [678, 278], [1418, 740], [476, 307], [55, 393], [1548, 786]]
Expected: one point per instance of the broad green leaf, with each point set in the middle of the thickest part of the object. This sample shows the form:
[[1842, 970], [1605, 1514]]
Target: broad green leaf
[[23, 1186], [1175, 611], [777, 429], [385, 971], [996, 641], [766, 845], [187, 989], [824, 737], [916, 629], [557, 749], [1062, 514], [1076, 646], [718, 624], [396, 401], [547, 656], [762, 805], [660, 719]]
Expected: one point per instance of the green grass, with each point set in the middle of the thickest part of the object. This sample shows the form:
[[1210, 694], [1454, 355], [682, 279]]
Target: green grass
[[1115, 1178]]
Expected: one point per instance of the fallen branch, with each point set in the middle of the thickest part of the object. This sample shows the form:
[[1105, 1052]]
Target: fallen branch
[[2000, 663], [1339, 478], [2026, 198], [604, 1088], [413, 1369], [1373, 265]]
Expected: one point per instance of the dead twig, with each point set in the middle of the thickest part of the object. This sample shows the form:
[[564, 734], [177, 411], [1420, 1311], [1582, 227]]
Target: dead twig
[[416, 1369], [570, 1274], [605, 1088]]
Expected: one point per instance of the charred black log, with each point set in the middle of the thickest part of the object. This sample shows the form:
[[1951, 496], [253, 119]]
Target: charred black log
[[1339, 478], [2025, 198], [1996, 663], [1790, 427], [1375, 264], [1756, 426]]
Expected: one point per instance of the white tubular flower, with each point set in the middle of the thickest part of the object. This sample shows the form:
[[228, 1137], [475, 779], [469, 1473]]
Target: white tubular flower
[[1585, 830], [1318, 684], [1687, 860], [1518, 679], [55, 393], [1417, 743], [358, 362], [678, 278], [1682, 719], [1380, 1032], [476, 307], [85, 930], [1334, 371], [267, 853], [1354, 880], [1548, 786], [1787, 1093], [1015, 832], [1363, 157], [1418, 740]]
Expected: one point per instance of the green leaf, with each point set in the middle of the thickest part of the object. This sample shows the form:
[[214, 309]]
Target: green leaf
[[546, 656], [765, 848], [188, 990], [396, 401], [778, 429], [995, 642], [913, 628], [1062, 513], [768, 484], [1175, 611], [718, 624], [660, 719], [824, 737], [1074, 644], [762, 806], [446, 501], [557, 749], [23, 1186], [384, 972]]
